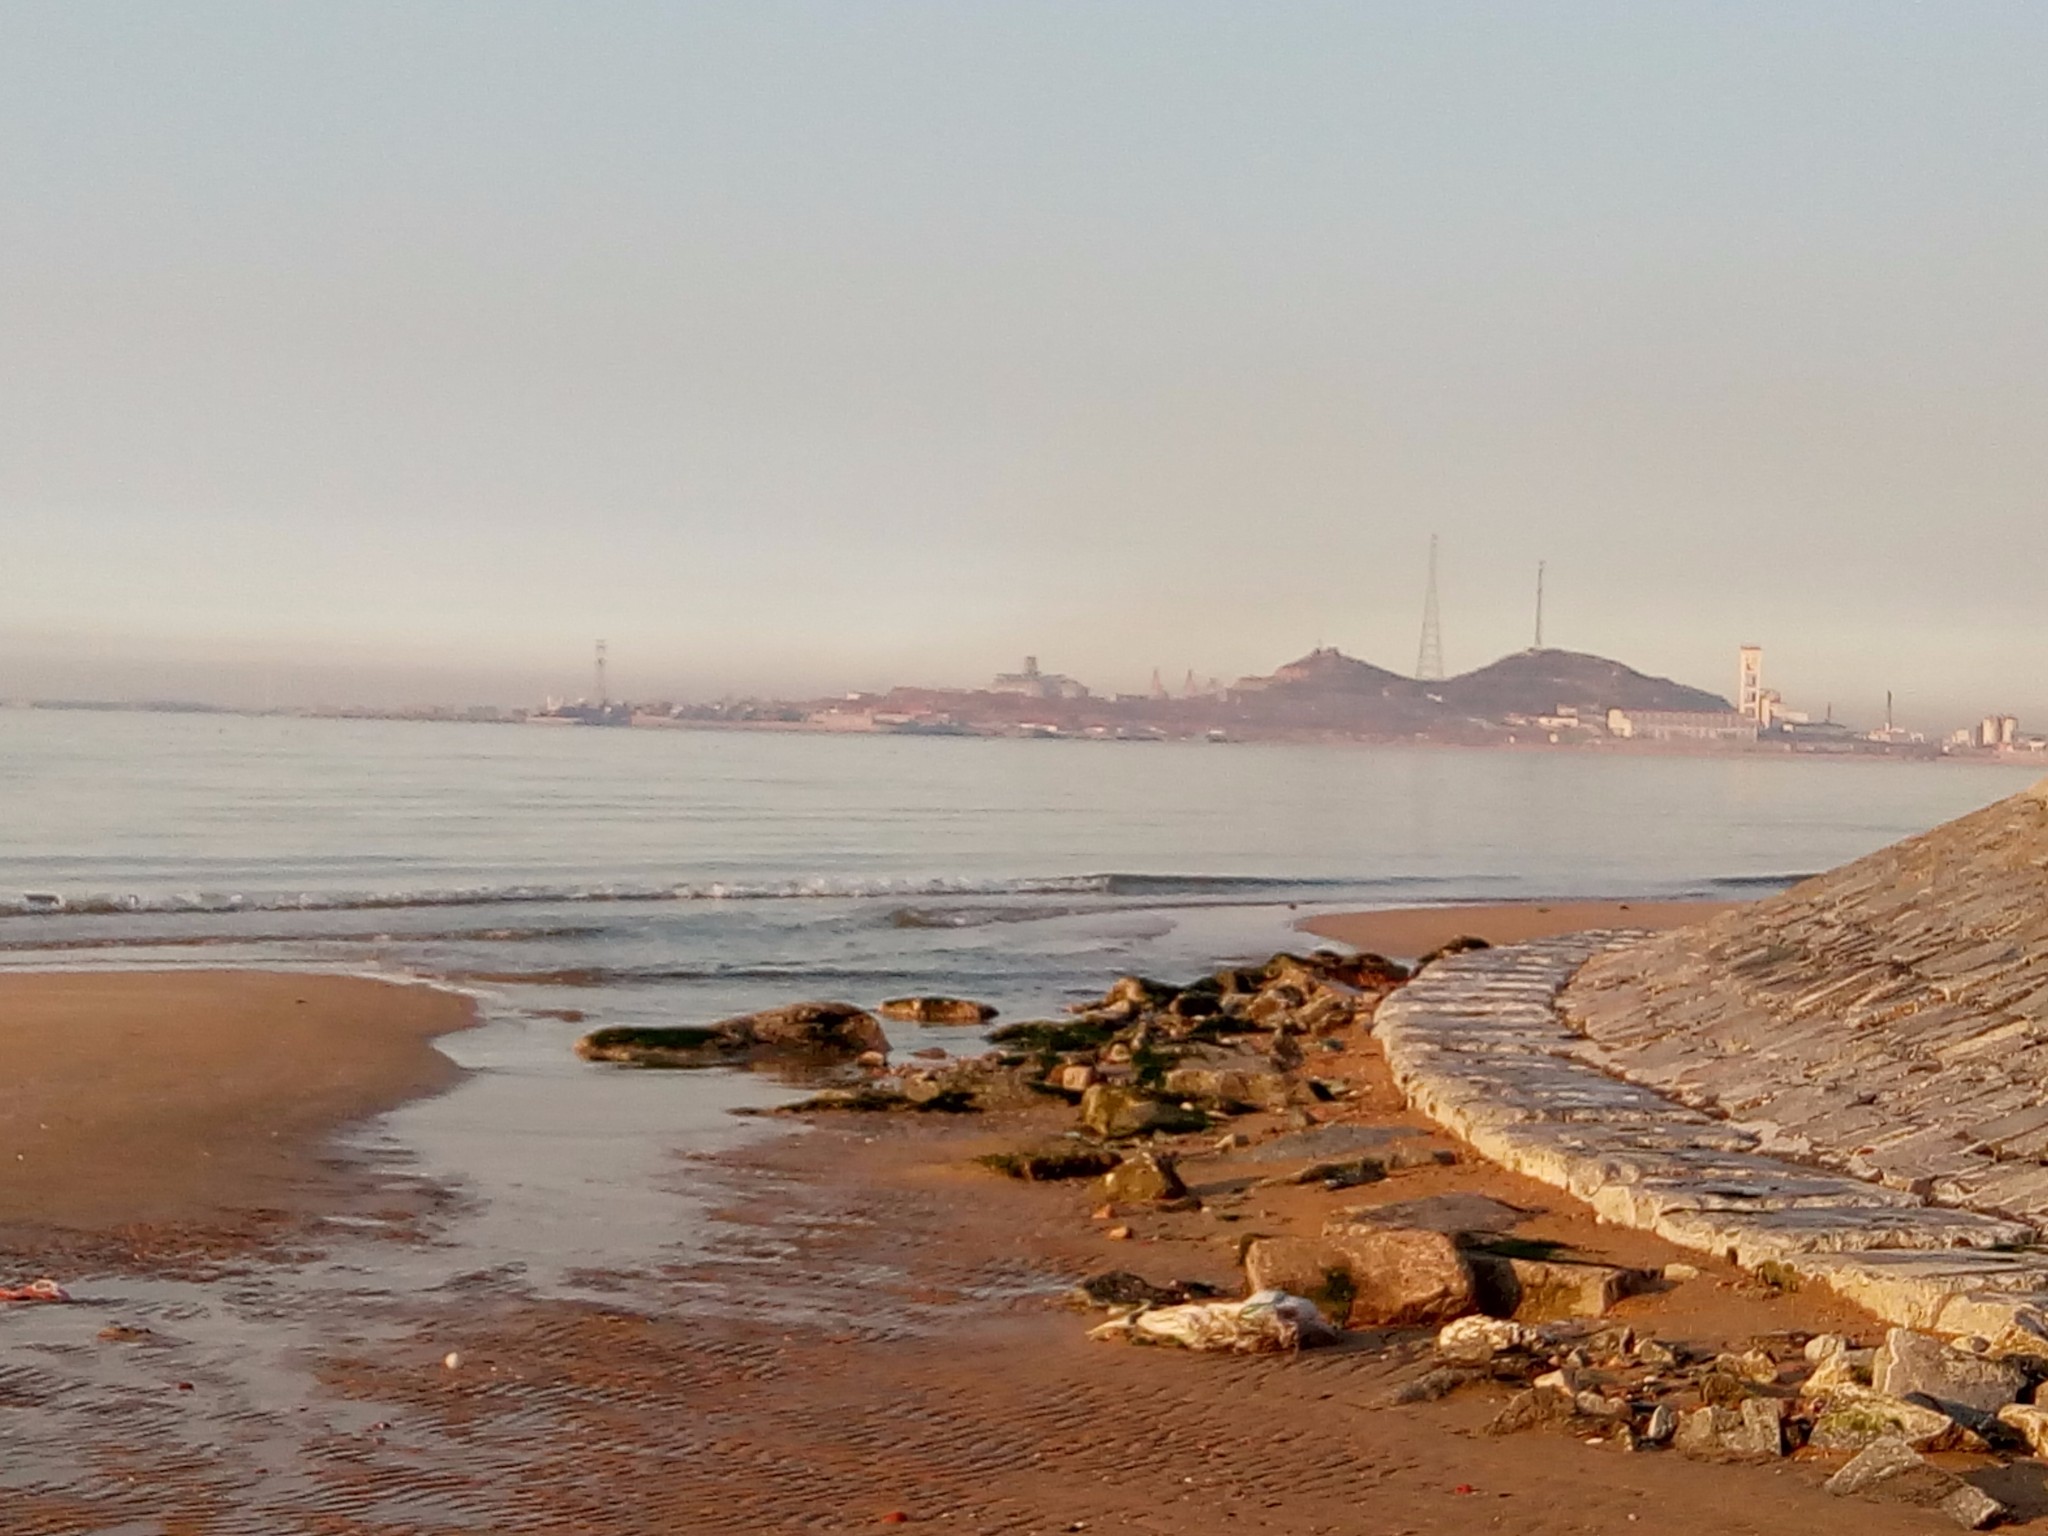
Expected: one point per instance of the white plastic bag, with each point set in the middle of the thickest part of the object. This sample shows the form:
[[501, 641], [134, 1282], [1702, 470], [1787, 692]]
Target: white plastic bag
[[1267, 1322]]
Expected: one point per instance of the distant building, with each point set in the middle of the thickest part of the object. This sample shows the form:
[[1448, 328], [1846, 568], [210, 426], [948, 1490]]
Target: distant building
[[1719, 725], [1038, 685], [1749, 692], [1997, 731]]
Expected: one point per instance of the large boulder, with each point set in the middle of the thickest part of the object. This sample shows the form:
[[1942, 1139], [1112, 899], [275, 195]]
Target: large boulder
[[810, 1029], [1851, 1418], [838, 1029], [1369, 1277], [1970, 1388]]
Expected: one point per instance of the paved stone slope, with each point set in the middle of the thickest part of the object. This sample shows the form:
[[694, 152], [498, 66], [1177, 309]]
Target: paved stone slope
[[1477, 1042], [1887, 1020]]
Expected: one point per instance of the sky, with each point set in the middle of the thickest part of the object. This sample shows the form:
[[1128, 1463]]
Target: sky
[[392, 353]]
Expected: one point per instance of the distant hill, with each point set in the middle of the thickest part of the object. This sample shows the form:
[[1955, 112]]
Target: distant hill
[[1540, 682], [1329, 670]]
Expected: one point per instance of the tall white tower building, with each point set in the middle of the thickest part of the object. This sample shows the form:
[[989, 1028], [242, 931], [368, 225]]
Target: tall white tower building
[[1749, 696]]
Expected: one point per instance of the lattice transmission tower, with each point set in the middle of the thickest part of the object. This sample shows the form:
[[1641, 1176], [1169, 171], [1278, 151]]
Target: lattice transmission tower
[[1429, 660]]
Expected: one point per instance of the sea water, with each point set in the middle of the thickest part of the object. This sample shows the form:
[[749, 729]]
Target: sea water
[[647, 875]]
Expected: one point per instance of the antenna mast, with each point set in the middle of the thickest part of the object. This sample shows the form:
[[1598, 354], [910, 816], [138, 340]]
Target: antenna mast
[[1429, 660], [602, 696], [1539, 605]]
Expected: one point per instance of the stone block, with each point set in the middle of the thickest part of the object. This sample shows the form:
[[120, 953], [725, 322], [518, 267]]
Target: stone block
[[1966, 1387]]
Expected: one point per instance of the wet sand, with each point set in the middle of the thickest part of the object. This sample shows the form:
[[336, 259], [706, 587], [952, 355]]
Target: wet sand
[[1406, 932], [871, 1329], [188, 1097]]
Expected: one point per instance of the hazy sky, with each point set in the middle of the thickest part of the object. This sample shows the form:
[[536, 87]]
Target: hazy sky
[[395, 351]]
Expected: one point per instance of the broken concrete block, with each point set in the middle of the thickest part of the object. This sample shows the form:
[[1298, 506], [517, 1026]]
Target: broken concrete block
[[1918, 1365]]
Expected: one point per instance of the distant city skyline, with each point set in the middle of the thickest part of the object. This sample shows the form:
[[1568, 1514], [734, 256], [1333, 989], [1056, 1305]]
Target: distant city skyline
[[387, 354]]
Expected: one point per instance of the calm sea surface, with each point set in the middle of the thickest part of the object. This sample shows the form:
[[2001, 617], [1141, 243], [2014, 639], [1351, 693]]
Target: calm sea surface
[[681, 872]]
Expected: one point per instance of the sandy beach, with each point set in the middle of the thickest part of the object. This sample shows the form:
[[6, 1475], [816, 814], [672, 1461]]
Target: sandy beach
[[1406, 932], [181, 1097], [869, 1329]]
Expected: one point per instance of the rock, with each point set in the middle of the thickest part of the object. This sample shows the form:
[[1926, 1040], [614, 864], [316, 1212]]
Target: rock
[[1892, 1469], [1722, 1390], [1347, 1173], [1072, 1079], [1458, 1215], [1593, 1405], [1844, 1368], [1143, 1177], [832, 1028], [1131, 996], [1656, 1354], [1850, 1418], [1762, 1433], [1229, 1089], [1369, 1277], [2030, 1423], [1972, 1508], [1756, 1430], [1661, 1425], [1679, 1273], [1753, 1365], [1700, 1433], [1062, 1160], [671, 1046], [937, 1010], [1884, 1458], [1532, 1409], [1967, 1387], [867, 1098], [1431, 1385], [1477, 1340], [1823, 1345], [1115, 1113], [1542, 1290], [1463, 944]]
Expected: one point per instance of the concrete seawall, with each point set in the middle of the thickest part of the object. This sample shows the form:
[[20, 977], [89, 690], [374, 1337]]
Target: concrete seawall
[[1480, 1043]]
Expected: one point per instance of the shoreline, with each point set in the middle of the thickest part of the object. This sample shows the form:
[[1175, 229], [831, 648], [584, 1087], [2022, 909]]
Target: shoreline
[[148, 1098], [1406, 933]]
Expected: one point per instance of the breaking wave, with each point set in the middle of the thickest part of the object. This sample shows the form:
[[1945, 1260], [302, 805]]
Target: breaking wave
[[34, 903]]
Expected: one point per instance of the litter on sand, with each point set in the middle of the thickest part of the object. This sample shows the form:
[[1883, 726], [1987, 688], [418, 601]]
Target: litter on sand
[[36, 1290], [1266, 1322]]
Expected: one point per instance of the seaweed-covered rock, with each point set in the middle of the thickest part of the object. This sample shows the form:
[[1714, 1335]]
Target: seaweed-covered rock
[[1060, 1160], [835, 1028], [1229, 1088], [1120, 1288], [1114, 1113], [1053, 1037], [1144, 1177], [668, 1046], [1850, 1418]]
